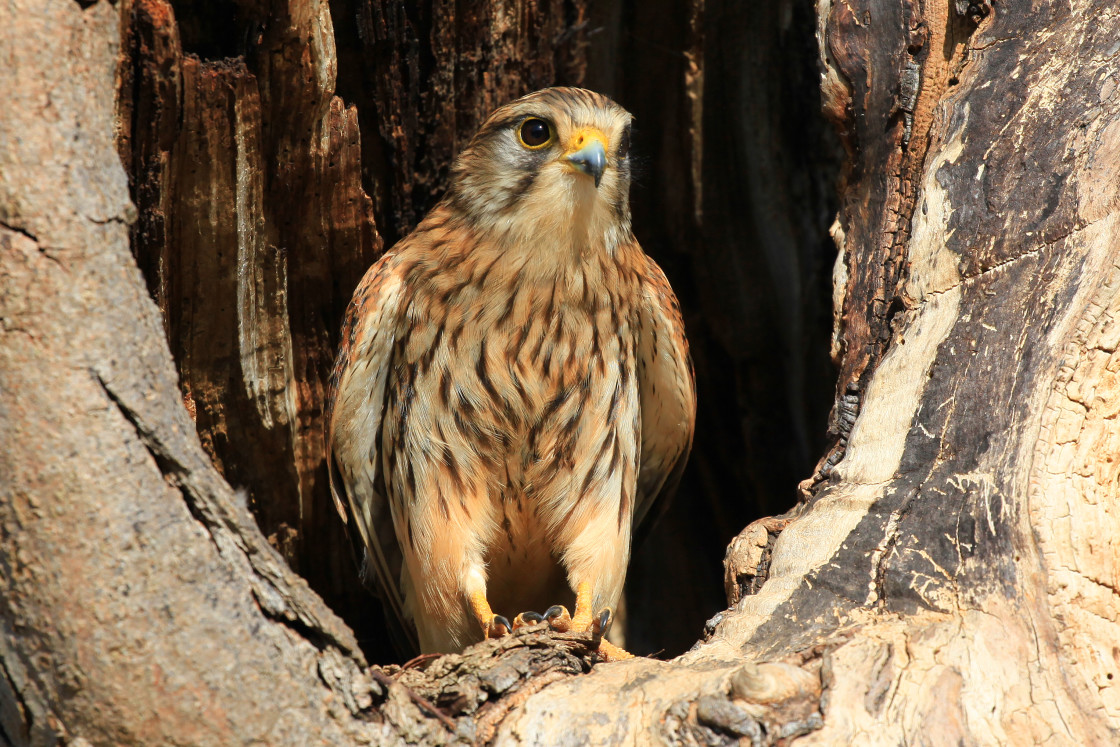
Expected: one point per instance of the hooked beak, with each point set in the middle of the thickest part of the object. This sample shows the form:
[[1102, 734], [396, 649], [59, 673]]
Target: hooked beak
[[588, 153]]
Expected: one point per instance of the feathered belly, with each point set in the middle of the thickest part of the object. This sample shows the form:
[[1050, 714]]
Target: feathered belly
[[506, 442]]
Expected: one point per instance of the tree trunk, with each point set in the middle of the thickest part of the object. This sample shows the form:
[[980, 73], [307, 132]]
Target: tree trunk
[[946, 576]]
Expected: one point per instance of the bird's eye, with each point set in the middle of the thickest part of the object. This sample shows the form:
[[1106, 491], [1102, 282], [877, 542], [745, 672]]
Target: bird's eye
[[535, 133]]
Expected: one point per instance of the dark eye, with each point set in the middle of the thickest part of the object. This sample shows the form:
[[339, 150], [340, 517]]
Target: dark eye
[[535, 133], [624, 144]]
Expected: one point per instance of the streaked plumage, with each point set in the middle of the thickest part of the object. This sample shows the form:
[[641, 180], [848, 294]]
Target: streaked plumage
[[513, 391]]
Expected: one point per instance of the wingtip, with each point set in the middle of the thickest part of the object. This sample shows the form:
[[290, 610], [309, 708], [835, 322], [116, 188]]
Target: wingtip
[[334, 477]]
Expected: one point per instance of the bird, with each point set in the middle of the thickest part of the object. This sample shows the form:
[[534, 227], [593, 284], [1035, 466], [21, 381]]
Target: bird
[[513, 399]]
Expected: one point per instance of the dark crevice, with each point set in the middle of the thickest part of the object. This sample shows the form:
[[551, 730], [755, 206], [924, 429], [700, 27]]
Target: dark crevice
[[353, 32], [313, 635], [21, 231], [172, 469], [16, 718], [879, 569], [204, 35]]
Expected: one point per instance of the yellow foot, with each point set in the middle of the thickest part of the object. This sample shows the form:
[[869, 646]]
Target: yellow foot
[[611, 652], [525, 619], [583, 621], [607, 650], [560, 620], [493, 626], [498, 627]]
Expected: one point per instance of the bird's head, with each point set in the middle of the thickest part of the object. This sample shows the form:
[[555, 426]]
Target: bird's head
[[555, 163]]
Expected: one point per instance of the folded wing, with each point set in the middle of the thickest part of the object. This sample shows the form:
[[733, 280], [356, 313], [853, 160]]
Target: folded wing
[[668, 397], [354, 412]]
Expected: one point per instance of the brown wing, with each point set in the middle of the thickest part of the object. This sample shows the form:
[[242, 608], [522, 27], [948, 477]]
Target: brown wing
[[668, 397], [354, 412]]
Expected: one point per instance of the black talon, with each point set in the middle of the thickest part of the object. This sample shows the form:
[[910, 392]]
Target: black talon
[[499, 620], [532, 617], [606, 619], [554, 611]]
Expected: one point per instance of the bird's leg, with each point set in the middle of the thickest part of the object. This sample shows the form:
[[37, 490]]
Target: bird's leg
[[493, 626], [560, 620], [581, 620]]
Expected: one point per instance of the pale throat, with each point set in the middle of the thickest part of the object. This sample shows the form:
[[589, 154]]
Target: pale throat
[[560, 228]]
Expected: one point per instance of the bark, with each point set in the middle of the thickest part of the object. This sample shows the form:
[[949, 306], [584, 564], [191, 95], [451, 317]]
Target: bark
[[185, 206], [953, 561], [138, 594]]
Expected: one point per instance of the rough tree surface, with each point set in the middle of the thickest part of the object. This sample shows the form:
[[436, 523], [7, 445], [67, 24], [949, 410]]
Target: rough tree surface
[[185, 207]]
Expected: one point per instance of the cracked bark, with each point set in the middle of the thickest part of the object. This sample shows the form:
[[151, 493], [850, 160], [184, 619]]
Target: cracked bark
[[949, 577]]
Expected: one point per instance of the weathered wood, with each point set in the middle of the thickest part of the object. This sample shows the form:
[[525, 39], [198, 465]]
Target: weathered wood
[[253, 228], [942, 559], [140, 604]]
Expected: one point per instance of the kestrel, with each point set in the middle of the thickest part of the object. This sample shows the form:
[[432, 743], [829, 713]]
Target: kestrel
[[513, 394]]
